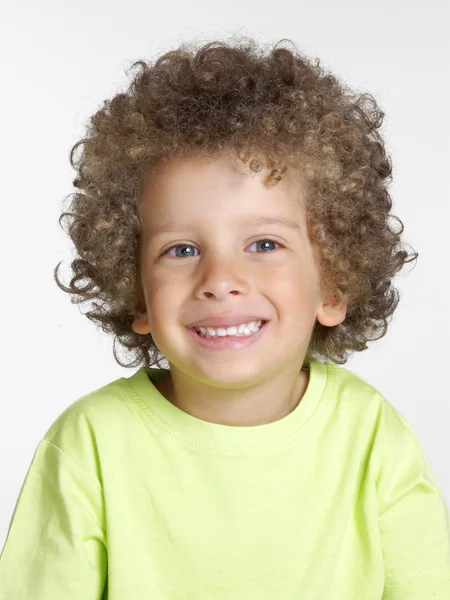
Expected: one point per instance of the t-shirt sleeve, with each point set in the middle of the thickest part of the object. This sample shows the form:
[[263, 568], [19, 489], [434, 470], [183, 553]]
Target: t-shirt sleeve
[[55, 547], [414, 522]]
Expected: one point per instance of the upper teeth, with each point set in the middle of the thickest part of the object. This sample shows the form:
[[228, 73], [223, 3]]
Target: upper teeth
[[244, 329]]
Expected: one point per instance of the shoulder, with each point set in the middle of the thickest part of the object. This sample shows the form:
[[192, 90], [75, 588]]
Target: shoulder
[[353, 392], [103, 402], [370, 412], [389, 437], [94, 422]]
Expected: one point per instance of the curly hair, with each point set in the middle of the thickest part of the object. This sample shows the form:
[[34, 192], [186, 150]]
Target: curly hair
[[269, 105]]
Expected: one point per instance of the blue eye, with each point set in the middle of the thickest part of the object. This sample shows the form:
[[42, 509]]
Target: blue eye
[[180, 246], [264, 240]]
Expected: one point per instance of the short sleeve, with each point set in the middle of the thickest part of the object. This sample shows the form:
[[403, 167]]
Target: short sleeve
[[55, 547], [414, 524]]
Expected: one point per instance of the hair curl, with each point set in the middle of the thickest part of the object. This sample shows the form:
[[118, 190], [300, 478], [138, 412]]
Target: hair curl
[[277, 105]]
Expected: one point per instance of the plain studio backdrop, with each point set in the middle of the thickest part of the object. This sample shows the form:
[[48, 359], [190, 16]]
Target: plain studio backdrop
[[61, 59]]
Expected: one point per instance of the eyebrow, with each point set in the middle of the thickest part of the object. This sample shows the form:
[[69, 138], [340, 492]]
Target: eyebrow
[[253, 220]]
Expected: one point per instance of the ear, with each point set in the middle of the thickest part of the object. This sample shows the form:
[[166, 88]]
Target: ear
[[140, 323], [331, 312]]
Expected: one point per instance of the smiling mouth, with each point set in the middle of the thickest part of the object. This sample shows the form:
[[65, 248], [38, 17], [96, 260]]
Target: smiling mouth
[[246, 333]]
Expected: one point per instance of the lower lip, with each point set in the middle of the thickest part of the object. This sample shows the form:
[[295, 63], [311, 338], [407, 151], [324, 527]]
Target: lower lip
[[228, 342]]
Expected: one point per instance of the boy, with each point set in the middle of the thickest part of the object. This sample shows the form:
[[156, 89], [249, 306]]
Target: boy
[[233, 220]]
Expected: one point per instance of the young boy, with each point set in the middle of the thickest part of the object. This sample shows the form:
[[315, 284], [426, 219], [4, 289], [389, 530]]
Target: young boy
[[233, 219]]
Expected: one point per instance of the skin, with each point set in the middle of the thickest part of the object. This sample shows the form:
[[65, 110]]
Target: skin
[[219, 269]]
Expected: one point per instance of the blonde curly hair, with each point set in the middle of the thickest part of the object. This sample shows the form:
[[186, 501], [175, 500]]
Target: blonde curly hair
[[266, 102]]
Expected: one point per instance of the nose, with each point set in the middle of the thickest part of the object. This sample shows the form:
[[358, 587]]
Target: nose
[[220, 276]]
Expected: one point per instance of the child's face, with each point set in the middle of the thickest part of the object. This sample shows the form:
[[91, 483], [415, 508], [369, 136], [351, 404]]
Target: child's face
[[225, 265]]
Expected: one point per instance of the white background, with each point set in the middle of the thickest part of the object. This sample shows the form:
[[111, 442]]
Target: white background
[[59, 60]]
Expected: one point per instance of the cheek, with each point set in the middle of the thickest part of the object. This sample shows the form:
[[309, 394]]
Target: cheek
[[296, 284], [296, 296], [161, 298], [160, 301]]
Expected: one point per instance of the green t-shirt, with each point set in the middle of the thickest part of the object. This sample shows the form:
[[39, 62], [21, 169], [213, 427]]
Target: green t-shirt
[[130, 498]]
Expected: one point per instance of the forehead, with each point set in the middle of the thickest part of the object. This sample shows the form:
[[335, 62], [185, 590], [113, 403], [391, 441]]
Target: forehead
[[200, 187]]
